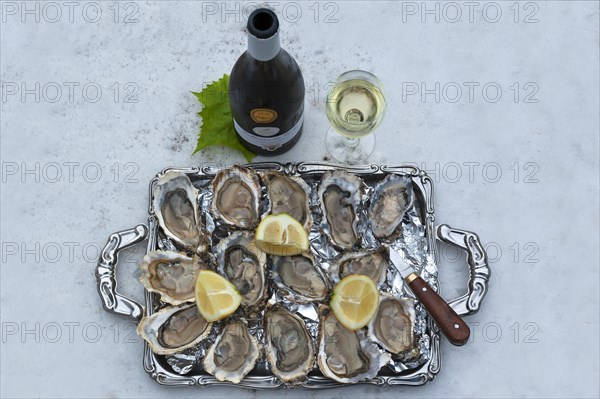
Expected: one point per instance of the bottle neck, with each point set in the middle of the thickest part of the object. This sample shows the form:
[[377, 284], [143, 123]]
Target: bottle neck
[[263, 49]]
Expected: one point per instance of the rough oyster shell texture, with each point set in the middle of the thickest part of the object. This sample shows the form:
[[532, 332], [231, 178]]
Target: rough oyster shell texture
[[295, 342]]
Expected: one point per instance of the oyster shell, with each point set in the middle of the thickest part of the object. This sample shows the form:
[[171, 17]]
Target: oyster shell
[[344, 355], [373, 264], [172, 275], [340, 194], [245, 266], [289, 345], [393, 324], [300, 278], [289, 194], [175, 203], [174, 329], [236, 197], [390, 200], [233, 354]]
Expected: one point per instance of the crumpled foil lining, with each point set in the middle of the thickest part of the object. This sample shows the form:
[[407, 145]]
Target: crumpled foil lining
[[412, 242]]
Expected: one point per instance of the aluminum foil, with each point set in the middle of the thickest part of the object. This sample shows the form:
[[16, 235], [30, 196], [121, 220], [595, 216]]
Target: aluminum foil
[[412, 242]]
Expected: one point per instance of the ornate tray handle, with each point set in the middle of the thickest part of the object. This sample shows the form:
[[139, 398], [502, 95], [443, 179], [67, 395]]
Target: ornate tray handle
[[479, 271], [112, 301]]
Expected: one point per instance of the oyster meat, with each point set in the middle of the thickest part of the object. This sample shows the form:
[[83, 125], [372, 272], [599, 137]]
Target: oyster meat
[[289, 194], [172, 275], [300, 277], [245, 266], [340, 194], [236, 197], [233, 354], [344, 355], [175, 203], [373, 264], [390, 200], [289, 345], [174, 329], [393, 324]]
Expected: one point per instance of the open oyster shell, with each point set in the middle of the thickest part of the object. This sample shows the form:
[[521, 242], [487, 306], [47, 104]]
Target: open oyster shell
[[172, 275], [175, 202], [174, 329], [392, 327], [300, 278], [240, 260], [340, 194], [390, 200], [344, 355], [289, 194], [288, 344], [233, 354], [373, 264], [236, 197]]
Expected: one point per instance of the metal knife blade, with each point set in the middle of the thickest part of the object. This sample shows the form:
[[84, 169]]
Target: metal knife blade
[[451, 324]]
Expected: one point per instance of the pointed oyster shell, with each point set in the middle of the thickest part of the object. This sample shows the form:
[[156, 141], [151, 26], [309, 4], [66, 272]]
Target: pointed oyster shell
[[172, 275], [289, 194], [300, 278], [392, 327], [340, 194], [373, 264], [344, 355], [289, 346], [390, 200], [175, 203], [236, 197], [174, 329], [242, 263], [233, 354]]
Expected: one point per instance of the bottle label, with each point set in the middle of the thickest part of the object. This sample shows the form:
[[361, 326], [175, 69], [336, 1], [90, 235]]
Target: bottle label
[[269, 143], [263, 115]]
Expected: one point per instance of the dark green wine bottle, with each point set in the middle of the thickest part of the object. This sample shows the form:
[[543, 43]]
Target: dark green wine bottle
[[266, 90]]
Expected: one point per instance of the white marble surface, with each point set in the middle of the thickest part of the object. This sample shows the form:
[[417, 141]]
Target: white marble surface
[[537, 332]]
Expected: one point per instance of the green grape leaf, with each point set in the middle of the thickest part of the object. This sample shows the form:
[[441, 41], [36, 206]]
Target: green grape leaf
[[217, 122]]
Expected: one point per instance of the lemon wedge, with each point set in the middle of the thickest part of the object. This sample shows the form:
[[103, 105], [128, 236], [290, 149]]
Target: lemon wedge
[[355, 301], [216, 297], [281, 235]]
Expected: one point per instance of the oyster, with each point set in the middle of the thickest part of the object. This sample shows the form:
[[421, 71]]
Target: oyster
[[289, 345], [245, 266], [299, 277], [233, 354], [393, 324], [236, 197], [390, 200], [174, 329], [373, 264], [172, 275], [344, 355], [175, 203], [340, 194], [289, 194]]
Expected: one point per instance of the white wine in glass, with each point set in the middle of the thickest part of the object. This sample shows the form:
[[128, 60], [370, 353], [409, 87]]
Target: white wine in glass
[[355, 107]]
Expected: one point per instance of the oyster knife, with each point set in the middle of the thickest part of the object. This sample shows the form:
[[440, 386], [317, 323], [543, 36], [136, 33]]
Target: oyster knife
[[451, 324]]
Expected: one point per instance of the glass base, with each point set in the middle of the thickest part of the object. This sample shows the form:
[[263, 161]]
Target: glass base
[[349, 151]]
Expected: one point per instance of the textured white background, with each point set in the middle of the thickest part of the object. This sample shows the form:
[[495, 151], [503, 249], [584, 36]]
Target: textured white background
[[537, 332]]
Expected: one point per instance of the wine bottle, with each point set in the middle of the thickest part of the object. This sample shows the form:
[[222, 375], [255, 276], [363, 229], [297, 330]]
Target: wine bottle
[[266, 90]]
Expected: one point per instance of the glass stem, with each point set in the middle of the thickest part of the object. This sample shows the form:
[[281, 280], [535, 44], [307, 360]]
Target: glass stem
[[351, 143]]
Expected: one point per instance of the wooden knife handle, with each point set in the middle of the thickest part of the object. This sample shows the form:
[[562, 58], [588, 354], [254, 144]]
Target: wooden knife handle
[[451, 324]]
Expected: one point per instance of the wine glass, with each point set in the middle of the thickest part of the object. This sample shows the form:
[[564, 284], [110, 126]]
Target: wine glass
[[355, 106]]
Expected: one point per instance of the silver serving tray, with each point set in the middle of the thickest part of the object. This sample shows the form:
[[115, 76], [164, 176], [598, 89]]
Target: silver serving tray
[[159, 369]]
